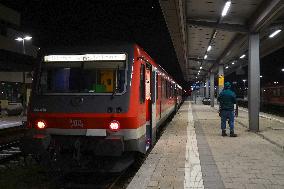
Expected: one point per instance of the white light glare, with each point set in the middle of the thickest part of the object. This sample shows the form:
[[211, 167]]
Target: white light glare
[[209, 48], [282, 69], [243, 56], [27, 38], [226, 67], [226, 8], [233, 63], [19, 39], [274, 33], [205, 56], [201, 68], [260, 76]]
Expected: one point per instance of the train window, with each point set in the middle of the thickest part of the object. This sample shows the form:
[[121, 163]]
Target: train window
[[278, 92], [82, 77], [142, 83], [274, 92], [157, 86], [167, 91]]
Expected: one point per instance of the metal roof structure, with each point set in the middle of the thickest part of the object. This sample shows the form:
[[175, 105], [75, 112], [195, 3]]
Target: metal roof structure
[[194, 25]]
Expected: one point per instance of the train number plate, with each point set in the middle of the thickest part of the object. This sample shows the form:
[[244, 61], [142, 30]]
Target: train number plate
[[76, 123]]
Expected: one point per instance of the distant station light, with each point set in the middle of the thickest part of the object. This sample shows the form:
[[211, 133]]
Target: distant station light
[[201, 68], [243, 56], [226, 67], [205, 56], [226, 8], [282, 69], [274, 33], [233, 63], [209, 48], [27, 38], [260, 76]]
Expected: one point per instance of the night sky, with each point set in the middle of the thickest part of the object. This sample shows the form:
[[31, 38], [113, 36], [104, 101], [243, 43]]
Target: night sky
[[73, 22]]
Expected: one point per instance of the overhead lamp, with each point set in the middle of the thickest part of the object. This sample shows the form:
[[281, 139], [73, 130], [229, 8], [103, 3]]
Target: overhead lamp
[[205, 56], [260, 76], [282, 69], [201, 68], [226, 67], [226, 8], [233, 63], [209, 48], [274, 33], [243, 56]]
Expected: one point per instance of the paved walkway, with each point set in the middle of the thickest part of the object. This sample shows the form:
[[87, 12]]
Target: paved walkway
[[191, 153], [271, 127]]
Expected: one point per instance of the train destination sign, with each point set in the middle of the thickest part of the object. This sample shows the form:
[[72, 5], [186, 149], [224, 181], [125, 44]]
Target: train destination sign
[[85, 57]]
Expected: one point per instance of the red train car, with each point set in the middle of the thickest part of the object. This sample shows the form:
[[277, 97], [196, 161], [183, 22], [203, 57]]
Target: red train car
[[103, 101]]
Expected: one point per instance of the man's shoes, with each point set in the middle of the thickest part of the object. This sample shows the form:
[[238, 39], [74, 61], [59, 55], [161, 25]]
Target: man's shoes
[[224, 133], [232, 134]]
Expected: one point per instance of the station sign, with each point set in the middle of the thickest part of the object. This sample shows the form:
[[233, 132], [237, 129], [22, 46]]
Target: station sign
[[221, 81], [85, 57]]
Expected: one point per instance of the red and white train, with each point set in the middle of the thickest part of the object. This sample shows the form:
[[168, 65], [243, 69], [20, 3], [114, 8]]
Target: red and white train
[[272, 95], [103, 101]]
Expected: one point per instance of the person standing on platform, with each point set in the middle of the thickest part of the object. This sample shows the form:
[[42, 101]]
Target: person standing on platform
[[227, 99]]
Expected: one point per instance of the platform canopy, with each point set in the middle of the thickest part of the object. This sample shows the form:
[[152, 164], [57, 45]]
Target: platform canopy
[[194, 25]]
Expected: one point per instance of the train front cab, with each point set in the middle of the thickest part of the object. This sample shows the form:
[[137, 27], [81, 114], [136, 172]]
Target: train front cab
[[84, 119]]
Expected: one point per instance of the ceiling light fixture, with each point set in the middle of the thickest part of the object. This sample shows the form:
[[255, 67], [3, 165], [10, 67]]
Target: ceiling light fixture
[[201, 67], [205, 56], [209, 48], [233, 63], [243, 56], [274, 33], [226, 67], [226, 8]]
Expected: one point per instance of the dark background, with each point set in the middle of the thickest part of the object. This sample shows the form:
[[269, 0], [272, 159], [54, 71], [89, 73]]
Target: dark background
[[85, 22]]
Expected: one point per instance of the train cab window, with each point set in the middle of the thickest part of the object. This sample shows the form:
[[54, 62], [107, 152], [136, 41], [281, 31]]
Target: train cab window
[[142, 84], [83, 77]]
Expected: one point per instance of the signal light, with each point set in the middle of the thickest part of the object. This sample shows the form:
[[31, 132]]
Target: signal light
[[114, 125], [41, 124]]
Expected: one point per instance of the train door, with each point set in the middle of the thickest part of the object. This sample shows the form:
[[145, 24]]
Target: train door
[[175, 97], [148, 104], [154, 84]]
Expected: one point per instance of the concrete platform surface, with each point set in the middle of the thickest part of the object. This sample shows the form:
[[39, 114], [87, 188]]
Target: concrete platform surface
[[191, 153]]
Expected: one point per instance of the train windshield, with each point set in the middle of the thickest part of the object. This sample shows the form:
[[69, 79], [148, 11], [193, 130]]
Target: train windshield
[[91, 76]]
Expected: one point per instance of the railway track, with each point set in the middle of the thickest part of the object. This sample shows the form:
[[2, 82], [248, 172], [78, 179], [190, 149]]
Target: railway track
[[9, 151]]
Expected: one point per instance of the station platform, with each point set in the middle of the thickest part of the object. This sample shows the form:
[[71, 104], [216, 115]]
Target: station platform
[[11, 121], [191, 153]]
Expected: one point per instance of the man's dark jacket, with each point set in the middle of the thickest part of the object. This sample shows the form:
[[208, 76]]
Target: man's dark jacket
[[227, 99]]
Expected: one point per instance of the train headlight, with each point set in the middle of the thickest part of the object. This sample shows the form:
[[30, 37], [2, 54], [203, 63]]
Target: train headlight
[[114, 125], [40, 124]]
